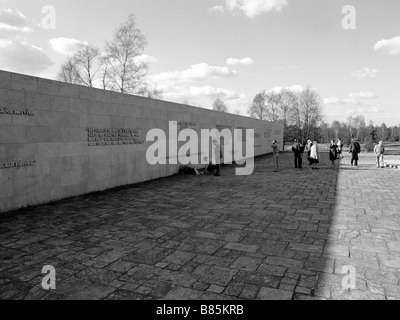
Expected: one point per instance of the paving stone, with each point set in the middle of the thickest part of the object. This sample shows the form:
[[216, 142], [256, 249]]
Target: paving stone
[[214, 274], [180, 293], [212, 260], [216, 288], [72, 285], [258, 279], [241, 247], [120, 266], [246, 263], [283, 262], [179, 257], [200, 286], [234, 288], [249, 292], [92, 292], [206, 235], [274, 294], [215, 296], [174, 267], [121, 294], [271, 270], [175, 277]]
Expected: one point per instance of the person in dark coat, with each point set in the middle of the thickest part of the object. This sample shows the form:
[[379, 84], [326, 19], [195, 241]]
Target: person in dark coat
[[296, 148], [333, 152], [355, 149]]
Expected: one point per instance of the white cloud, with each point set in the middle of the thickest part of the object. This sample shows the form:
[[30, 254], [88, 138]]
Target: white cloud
[[364, 110], [365, 73], [21, 57], [13, 22], [216, 9], [339, 101], [233, 61], [180, 86], [204, 96], [363, 95], [294, 88], [392, 46], [65, 46], [354, 99], [144, 58], [197, 72], [252, 8]]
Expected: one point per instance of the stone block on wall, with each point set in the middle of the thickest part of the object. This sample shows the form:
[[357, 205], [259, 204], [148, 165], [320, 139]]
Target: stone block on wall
[[12, 134], [57, 103], [12, 99], [5, 80], [49, 87], [37, 101], [20, 82]]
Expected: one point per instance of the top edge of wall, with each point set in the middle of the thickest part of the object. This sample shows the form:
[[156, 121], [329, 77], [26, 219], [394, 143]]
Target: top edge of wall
[[36, 85]]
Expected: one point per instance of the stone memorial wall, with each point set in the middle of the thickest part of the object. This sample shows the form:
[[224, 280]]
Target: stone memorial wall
[[59, 140]]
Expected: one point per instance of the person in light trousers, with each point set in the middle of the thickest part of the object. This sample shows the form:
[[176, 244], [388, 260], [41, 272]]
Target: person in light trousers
[[379, 151], [275, 151]]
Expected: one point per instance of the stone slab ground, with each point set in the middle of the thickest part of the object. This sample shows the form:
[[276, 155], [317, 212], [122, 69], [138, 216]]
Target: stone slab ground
[[287, 235]]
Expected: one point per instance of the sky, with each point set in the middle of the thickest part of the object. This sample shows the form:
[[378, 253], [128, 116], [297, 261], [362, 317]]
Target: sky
[[200, 50]]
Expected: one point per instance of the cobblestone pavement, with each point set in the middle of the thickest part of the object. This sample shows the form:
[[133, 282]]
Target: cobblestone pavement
[[285, 235]]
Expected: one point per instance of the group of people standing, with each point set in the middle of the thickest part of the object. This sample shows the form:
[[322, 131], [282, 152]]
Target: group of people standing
[[311, 148], [335, 153]]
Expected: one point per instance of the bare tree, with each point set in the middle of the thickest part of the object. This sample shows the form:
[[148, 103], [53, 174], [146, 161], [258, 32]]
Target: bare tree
[[273, 106], [258, 107], [69, 72], [88, 62], [219, 105], [336, 127], [150, 92], [309, 112], [288, 101], [358, 123], [82, 67], [105, 74], [126, 71]]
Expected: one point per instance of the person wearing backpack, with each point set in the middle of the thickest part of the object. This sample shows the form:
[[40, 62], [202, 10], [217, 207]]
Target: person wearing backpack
[[379, 151], [333, 152], [355, 149]]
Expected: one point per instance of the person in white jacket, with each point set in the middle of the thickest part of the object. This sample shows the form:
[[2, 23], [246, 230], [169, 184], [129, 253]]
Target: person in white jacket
[[314, 155], [379, 151]]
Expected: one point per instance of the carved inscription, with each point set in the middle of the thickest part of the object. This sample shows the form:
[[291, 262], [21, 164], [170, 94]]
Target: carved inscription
[[17, 112], [17, 164], [111, 136], [182, 125]]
